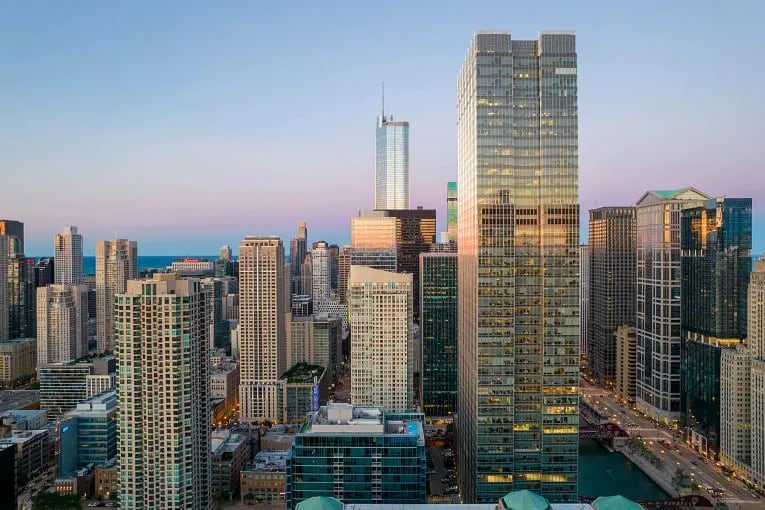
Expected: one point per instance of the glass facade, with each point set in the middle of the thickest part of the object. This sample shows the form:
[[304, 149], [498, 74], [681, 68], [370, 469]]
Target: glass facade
[[716, 242], [518, 244], [438, 324], [392, 164], [451, 210], [22, 293]]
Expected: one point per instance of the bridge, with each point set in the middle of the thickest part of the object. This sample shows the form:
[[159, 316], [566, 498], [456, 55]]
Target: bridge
[[602, 431]]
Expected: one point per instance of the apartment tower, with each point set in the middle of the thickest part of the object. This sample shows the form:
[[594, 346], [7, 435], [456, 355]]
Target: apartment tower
[[62, 323], [67, 247], [116, 263]]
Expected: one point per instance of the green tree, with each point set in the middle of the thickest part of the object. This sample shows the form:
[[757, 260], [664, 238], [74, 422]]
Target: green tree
[[55, 501]]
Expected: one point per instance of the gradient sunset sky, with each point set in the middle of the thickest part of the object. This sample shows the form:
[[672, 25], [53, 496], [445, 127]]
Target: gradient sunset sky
[[186, 125]]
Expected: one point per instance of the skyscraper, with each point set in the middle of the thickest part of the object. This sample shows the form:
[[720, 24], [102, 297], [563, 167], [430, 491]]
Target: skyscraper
[[321, 267], [373, 240], [298, 247], [22, 297], [611, 285], [438, 324], [584, 301], [716, 243], [62, 323], [3, 288], [67, 247], [657, 377], [225, 253], [451, 210], [116, 263], [263, 312], [14, 232], [392, 164], [380, 307], [518, 246], [163, 394]]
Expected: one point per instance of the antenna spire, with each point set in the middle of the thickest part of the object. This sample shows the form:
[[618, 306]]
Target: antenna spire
[[383, 101]]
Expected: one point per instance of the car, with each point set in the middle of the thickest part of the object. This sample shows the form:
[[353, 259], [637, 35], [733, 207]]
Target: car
[[93, 504]]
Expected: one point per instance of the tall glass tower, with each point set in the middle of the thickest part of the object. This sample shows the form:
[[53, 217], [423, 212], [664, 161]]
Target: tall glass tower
[[518, 275], [392, 164]]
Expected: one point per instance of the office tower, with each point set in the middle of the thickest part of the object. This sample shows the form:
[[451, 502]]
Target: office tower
[[343, 270], [301, 306], [736, 409], [611, 285], [163, 394], [218, 325], [657, 378], [334, 260], [321, 266], [14, 232], [93, 425], [225, 253], [62, 386], [4, 331], [18, 360], [299, 340], [388, 463], [116, 263], [44, 272], [438, 325], [62, 323], [716, 243], [451, 210], [263, 313], [624, 383], [373, 240], [518, 251], [302, 389], [67, 248], [392, 164], [298, 250], [380, 307], [584, 300], [327, 340], [306, 275], [21, 297]]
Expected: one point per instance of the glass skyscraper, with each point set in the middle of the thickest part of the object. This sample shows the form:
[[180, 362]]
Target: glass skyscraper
[[518, 246], [392, 164], [451, 210], [716, 242]]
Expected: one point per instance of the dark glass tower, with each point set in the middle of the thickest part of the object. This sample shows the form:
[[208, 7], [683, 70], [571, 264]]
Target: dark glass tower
[[716, 241], [438, 324]]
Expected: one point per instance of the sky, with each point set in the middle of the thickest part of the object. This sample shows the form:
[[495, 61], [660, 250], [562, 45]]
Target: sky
[[187, 125]]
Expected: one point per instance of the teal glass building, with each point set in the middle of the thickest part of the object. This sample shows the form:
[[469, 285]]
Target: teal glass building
[[716, 240], [438, 325], [358, 455]]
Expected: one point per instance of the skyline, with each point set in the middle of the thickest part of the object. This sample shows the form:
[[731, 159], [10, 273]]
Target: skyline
[[171, 103]]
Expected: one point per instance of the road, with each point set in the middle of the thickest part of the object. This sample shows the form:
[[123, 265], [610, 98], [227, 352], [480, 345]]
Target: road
[[735, 494]]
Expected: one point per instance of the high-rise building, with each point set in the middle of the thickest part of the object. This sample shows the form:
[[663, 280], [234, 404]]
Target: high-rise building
[[611, 285], [62, 323], [163, 394], [392, 164], [716, 243], [62, 386], [438, 325], [334, 261], [116, 263], [44, 272], [14, 232], [18, 360], [624, 383], [518, 245], [451, 210], [584, 300], [4, 331], [95, 424], [298, 250], [67, 248], [22, 297], [343, 270], [263, 312], [373, 230], [657, 377], [300, 340], [388, 464], [321, 266], [225, 253], [327, 340], [306, 275], [736, 409], [382, 368]]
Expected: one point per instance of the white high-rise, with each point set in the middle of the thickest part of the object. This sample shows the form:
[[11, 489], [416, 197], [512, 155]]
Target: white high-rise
[[67, 247], [116, 263], [321, 267], [392, 164], [62, 323], [380, 305], [263, 313], [163, 394], [3, 288]]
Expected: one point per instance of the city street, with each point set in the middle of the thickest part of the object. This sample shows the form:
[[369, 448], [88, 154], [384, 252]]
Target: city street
[[734, 493]]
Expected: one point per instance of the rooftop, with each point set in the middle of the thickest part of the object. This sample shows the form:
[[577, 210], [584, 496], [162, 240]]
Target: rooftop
[[345, 418], [269, 461], [223, 441], [302, 373]]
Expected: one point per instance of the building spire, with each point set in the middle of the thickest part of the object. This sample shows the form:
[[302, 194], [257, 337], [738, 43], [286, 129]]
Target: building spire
[[383, 101]]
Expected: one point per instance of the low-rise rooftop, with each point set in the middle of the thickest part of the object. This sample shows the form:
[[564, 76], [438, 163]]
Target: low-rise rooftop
[[302, 373], [269, 461]]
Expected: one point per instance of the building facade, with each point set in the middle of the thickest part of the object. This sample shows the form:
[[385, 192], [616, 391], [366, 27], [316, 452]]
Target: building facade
[[392, 164], [298, 251], [584, 302], [21, 297], [62, 323], [624, 383], [611, 285], [163, 394], [263, 314], [18, 360], [321, 265], [67, 248], [4, 332], [657, 377], [116, 263], [518, 246], [736, 409], [451, 210], [62, 386], [382, 368], [95, 424]]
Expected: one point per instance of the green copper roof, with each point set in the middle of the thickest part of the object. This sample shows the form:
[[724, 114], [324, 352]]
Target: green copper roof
[[669, 193], [525, 500], [615, 503], [319, 503]]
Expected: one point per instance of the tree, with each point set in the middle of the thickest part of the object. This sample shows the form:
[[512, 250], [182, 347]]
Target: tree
[[220, 498], [249, 498], [55, 501]]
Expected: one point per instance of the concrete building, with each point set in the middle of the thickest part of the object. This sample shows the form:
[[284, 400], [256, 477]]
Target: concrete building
[[196, 267], [334, 308], [62, 323], [116, 263], [264, 479], [518, 245], [230, 454], [18, 360], [163, 394], [388, 463], [343, 270], [263, 314], [321, 265], [106, 480], [300, 342], [303, 388], [327, 340], [611, 261], [625, 362], [4, 332], [657, 378], [736, 409], [391, 163], [34, 451], [224, 384], [584, 302], [382, 368], [22, 419], [67, 248], [99, 382], [62, 386]]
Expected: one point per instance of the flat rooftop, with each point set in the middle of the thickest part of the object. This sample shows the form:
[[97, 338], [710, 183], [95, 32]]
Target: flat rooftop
[[345, 418], [302, 373], [269, 461]]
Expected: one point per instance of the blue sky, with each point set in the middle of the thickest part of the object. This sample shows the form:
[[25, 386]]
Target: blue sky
[[186, 125]]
